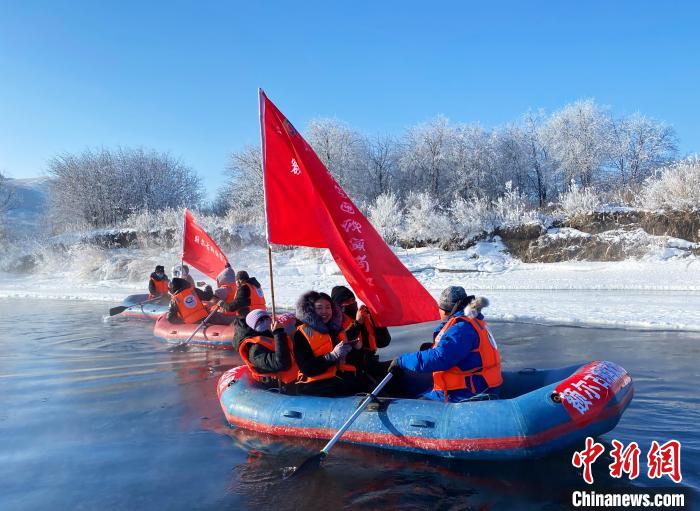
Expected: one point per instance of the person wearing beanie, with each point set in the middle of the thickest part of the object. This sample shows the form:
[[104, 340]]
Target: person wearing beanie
[[267, 349], [371, 336], [240, 292], [226, 287], [188, 304], [463, 356], [158, 283], [321, 346]]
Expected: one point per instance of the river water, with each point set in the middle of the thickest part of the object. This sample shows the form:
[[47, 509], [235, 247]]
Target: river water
[[101, 415]]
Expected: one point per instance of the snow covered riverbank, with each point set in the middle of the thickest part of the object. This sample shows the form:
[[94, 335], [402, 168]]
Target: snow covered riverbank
[[657, 293]]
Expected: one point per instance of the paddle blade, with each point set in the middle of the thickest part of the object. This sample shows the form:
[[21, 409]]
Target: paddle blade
[[309, 465], [117, 310]]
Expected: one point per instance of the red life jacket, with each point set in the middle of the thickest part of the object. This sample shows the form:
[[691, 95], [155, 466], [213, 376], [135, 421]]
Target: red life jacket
[[189, 306], [371, 336], [287, 376], [321, 344], [456, 378], [161, 287], [257, 298]]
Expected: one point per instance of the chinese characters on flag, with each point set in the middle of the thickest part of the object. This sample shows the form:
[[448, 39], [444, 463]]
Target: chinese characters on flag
[[305, 206], [199, 250]]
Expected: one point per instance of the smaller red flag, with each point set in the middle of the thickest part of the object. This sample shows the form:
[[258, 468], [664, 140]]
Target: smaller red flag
[[199, 250]]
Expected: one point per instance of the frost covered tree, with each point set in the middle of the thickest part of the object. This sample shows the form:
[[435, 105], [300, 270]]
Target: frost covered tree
[[473, 162], [542, 168], [424, 220], [102, 187], [382, 153], [7, 195], [424, 160], [579, 139], [386, 216], [640, 145], [578, 200], [7, 198], [675, 187], [343, 151], [242, 197]]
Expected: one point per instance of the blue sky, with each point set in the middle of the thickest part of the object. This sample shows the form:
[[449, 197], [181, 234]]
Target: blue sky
[[182, 77]]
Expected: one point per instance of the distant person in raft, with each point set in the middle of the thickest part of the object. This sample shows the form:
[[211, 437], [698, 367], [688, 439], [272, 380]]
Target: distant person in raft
[[226, 286], [158, 283], [267, 349], [463, 357], [243, 296], [187, 305], [372, 336], [183, 272], [321, 347]]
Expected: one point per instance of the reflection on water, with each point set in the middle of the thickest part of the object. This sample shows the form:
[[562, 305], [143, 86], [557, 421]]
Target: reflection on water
[[97, 415]]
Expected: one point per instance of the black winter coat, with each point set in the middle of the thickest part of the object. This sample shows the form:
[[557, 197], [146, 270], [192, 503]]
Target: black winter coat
[[266, 361]]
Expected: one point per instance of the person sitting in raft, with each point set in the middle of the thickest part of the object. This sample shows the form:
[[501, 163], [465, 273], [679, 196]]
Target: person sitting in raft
[[158, 283], [183, 272], [249, 295], [226, 287], [372, 336], [267, 349], [187, 304], [464, 358], [321, 346]]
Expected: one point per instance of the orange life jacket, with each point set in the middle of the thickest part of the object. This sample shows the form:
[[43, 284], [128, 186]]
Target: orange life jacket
[[321, 344], [161, 286], [232, 289], [456, 378], [190, 307], [371, 336], [257, 298], [287, 376]]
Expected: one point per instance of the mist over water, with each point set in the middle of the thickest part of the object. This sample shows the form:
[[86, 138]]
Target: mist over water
[[101, 415]]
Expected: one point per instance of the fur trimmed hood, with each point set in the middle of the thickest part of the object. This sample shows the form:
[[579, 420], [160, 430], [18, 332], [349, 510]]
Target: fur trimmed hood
[[474, 308], [305, 312]]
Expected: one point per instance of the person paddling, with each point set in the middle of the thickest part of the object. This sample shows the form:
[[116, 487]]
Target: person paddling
[[158, 283], [321, 347], [464, 357]]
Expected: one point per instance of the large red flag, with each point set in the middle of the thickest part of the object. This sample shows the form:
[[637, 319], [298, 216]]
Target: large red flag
[[305, 206], [199, 250]]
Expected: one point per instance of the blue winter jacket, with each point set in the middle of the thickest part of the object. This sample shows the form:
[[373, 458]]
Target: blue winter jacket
[[454, 350]]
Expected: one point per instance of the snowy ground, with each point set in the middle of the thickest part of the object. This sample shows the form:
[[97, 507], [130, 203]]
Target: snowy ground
[[658, 293]]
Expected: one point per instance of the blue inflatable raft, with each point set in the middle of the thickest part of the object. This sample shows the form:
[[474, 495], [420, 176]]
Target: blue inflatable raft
[[139, 310], [539, 411]]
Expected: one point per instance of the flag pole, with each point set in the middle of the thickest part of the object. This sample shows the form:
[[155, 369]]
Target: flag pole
[[261, 107], [184, 226]]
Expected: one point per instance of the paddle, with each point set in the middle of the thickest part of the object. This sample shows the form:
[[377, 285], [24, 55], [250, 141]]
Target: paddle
[[121, 308], [315, 460], [203, 323]]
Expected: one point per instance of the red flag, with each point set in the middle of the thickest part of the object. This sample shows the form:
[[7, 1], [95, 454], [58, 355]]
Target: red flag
[[199, 250], [305, 206]]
